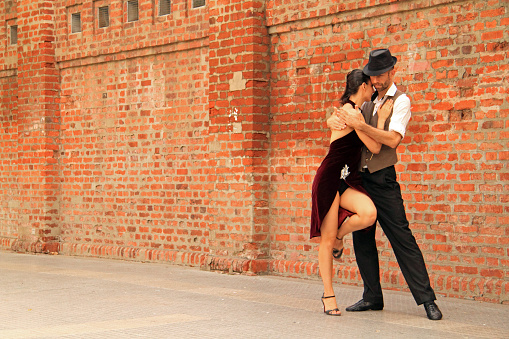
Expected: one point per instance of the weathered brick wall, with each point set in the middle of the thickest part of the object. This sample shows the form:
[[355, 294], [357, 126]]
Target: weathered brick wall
[[8, 159], [38, 123], [194, 137], [9, 128], [134, 131], [239, 107]]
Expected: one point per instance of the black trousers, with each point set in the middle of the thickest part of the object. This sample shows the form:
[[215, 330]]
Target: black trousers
[[386, 194]]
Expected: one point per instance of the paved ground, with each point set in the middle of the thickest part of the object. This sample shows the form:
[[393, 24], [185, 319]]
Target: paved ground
[[45, 296]]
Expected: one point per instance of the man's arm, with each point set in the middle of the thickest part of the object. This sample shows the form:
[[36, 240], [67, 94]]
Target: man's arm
[[373, 146], [389, 138], [352, 119]]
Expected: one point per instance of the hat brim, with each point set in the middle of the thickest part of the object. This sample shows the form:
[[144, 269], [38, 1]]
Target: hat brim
[[370, 72]]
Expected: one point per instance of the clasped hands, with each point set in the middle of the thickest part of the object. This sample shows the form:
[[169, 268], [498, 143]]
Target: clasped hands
[[352, 117]]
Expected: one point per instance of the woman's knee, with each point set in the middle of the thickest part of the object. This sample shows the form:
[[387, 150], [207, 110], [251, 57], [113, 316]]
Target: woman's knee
[[328, 240], [368, 216]]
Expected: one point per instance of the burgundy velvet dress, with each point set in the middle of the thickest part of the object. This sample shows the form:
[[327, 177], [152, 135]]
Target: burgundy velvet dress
[[340, 167]]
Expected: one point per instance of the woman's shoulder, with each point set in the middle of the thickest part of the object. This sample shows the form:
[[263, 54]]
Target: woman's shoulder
[[348, 103]]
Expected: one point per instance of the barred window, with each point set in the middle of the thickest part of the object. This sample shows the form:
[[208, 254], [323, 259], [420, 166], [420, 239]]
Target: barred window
[[104, 16], [76, 23], [198, 3], [14, 35], [164, 7], [132, 11]]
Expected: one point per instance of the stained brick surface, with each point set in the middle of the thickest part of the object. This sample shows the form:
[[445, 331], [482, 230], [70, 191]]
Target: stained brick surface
[[194, 137]]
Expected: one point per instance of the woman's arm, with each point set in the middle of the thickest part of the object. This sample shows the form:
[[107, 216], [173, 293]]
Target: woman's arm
[[383, 114], [391, 138]]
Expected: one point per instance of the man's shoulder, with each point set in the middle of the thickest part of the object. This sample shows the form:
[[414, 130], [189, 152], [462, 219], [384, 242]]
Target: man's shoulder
[[399, 95], [401, 102]]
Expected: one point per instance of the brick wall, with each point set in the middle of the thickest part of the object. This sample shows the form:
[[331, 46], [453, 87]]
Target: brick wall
[[134, 133], [239, 142], [9, 145], [194, 137], [9, 155], [38, 123]]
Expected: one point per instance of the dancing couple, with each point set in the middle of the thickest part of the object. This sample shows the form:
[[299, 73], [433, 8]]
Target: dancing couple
[[356, 185]]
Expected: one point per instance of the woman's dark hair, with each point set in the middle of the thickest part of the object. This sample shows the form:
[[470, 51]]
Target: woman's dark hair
[[354, 80]]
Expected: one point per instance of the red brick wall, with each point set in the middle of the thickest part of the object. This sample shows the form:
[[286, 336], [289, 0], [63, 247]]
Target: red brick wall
[[8, 159], [9, 129], [239, 142], [38, 123], [134, 132], [194, 137]]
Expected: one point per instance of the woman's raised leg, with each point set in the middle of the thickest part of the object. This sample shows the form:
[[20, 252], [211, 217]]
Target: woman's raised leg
[[364, 209]]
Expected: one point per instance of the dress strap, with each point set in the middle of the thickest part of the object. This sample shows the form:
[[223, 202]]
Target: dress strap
[[348, 101]]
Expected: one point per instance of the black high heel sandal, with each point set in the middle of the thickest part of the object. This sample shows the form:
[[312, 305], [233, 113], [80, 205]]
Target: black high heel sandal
[[329, 312], [338, 253]]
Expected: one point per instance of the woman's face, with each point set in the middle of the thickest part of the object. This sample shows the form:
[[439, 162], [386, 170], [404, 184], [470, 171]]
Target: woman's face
[[368, 91]]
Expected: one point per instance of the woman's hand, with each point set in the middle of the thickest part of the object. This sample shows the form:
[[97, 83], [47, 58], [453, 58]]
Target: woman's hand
[[335, 122], [351, 116], [384, 111]]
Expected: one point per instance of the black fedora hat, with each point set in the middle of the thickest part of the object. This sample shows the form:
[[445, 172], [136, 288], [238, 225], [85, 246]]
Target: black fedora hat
[[380, 61]]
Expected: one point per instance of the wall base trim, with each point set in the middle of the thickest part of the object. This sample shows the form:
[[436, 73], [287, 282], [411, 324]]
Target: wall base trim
[[473, 288]]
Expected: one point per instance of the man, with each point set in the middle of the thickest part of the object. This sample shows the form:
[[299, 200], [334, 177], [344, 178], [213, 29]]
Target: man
[[379, 180]]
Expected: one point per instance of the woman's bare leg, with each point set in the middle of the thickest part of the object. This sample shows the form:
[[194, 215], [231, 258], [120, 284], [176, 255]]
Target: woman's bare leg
[[328, 232], [364, 209]]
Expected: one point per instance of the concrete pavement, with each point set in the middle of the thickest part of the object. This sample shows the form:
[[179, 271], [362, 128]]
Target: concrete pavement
[[43, 296]]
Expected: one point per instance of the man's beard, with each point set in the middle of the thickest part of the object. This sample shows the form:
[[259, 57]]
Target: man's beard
[[383, 86]]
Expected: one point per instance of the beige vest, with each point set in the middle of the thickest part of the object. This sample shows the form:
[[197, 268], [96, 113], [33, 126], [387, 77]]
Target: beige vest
[[387, 156]]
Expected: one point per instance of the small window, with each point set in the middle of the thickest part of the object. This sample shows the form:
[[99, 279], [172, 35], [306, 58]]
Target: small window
[[76, 23], [104, 16], [198, 3], [164, 7], [132, 11], [14, 35]]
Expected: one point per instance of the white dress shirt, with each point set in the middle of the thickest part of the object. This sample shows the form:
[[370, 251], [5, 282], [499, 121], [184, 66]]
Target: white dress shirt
[[400, 111]]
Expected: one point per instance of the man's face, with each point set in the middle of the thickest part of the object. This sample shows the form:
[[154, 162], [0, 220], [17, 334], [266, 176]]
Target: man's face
[[383, 81]]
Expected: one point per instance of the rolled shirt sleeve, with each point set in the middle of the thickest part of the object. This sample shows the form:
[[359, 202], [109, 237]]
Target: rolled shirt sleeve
[[400, 115]]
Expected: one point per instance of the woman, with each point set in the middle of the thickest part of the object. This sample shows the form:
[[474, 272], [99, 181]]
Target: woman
[[337, 192]]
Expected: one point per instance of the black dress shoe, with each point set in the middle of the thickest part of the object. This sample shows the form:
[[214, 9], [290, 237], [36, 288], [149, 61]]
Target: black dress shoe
[[432, 310], [362, 305]]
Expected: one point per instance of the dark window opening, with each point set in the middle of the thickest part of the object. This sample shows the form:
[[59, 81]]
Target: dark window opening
[[76, 23], [164, 7], [198, 3], [104, 16], [132, 11], [14, 35]]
